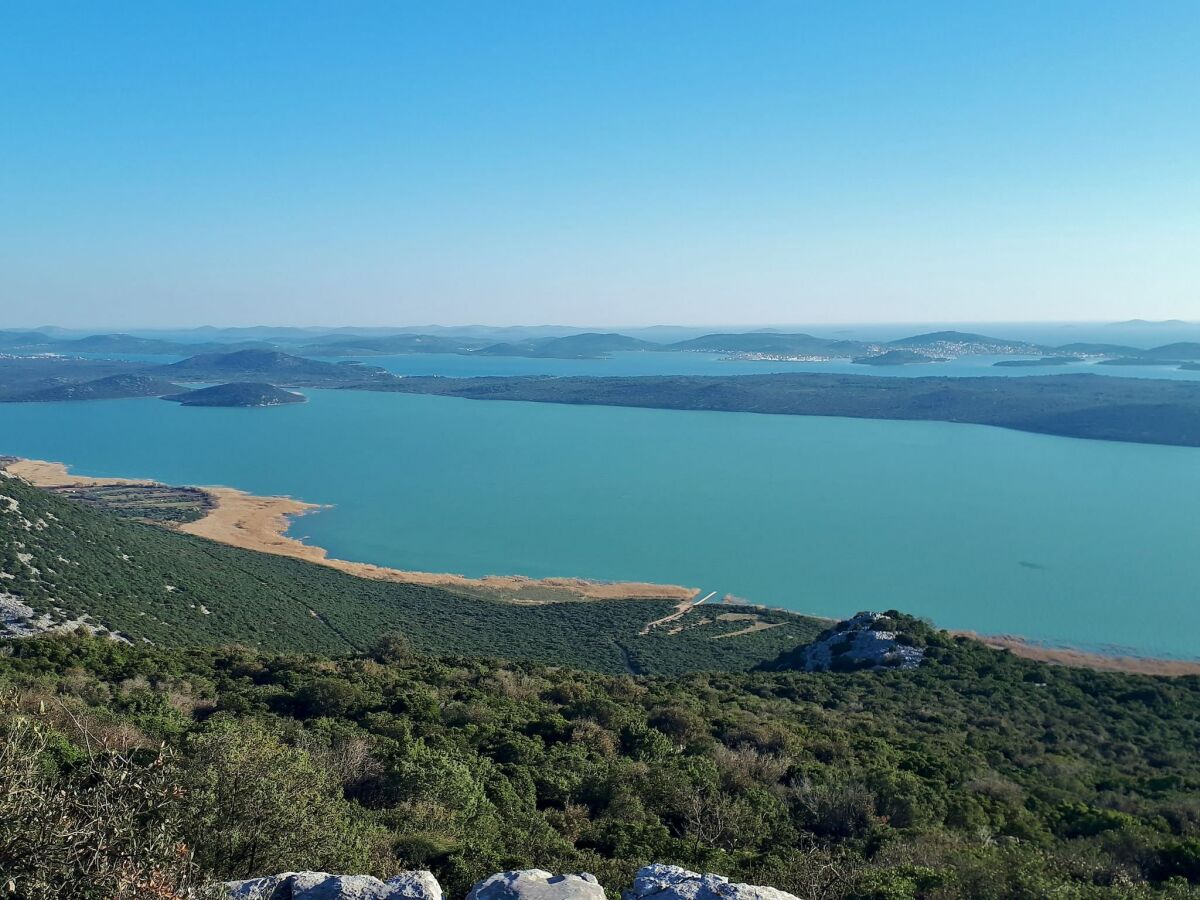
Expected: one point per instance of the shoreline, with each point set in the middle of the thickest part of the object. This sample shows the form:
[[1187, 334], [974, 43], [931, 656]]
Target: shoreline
[[250, 522], [1069, 656]]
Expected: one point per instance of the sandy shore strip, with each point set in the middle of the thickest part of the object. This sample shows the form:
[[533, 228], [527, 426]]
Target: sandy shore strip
[[1066, 656], [260, 523], [51, 474]]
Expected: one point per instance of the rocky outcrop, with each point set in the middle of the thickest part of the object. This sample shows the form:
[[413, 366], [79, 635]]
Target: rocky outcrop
[[866, 641], [659, 882], [656, 882], [322, 886], [537, 884]]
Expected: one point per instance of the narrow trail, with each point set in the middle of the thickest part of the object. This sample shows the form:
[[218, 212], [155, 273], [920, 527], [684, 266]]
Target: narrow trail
[[681, 609]]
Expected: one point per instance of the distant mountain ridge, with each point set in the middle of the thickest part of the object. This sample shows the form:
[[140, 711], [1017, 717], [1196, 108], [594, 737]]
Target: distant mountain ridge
[[772, 342], [589, 345], [550, 343]]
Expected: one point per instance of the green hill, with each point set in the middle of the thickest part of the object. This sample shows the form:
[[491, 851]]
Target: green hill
[[275, 366], [367, 726], [68, 560], [977, 776]]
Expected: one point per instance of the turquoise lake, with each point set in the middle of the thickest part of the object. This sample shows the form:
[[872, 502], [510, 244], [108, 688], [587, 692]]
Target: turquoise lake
[[1087, 543]]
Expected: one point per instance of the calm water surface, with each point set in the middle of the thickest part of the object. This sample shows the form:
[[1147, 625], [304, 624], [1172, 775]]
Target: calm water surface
[[1082, 542]]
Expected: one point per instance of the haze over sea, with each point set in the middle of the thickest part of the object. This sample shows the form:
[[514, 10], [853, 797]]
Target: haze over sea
[[1085, 543]]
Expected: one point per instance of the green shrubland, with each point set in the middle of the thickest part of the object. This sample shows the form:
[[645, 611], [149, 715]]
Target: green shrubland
[[977, 775]]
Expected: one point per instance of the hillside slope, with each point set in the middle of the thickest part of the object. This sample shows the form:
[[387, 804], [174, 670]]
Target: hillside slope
[[976, 776], [67, 560]]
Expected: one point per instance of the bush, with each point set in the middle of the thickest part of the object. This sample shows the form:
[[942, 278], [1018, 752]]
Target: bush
[[107, 828]]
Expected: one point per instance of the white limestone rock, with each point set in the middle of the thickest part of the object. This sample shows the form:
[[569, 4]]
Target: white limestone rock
[[323, 886], [857, 644], [661, 882], [537, 884]]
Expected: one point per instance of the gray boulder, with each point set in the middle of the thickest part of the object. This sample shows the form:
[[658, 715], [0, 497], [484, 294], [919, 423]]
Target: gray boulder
[[859, 643], [537, 884], [323, 886], [660, 882]]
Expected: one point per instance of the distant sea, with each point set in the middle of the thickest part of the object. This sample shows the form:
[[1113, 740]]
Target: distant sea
[[1083, 543]]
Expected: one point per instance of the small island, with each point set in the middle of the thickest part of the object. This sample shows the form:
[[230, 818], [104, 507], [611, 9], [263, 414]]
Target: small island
[[897, 358], [238, 393], [1036, 363]]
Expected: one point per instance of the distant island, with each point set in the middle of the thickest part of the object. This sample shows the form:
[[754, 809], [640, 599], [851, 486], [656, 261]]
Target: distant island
[[238, 393], [1036, 363], [1101, 407], [552, 343], [280, 368], [46, 379], [897, 358]]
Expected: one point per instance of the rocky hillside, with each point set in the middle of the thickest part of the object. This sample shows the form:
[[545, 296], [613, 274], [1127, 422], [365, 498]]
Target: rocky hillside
[[868, 640]]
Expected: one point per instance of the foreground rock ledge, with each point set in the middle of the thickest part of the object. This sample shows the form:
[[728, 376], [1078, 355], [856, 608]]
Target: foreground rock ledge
[[655, 882]]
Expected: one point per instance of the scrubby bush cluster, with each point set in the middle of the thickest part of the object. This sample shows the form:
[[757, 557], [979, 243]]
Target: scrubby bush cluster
[[978, 775]]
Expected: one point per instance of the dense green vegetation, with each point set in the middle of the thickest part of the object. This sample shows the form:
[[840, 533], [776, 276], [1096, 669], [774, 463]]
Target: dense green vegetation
[[68, 559], [1146, 410], [978, 775], [145, 502]]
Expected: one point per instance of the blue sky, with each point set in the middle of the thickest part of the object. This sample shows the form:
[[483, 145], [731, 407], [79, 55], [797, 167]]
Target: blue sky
[[598, 163]]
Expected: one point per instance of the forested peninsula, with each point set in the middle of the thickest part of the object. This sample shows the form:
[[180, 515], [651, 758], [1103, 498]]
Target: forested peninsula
[[1100, 407]]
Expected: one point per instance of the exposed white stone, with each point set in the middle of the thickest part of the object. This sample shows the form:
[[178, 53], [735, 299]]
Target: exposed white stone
[[858, 644], [537, 884], [661, 882], [323, 886]]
